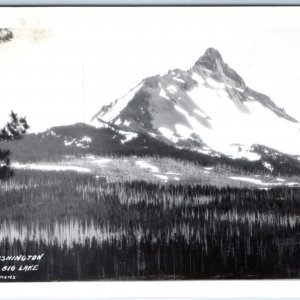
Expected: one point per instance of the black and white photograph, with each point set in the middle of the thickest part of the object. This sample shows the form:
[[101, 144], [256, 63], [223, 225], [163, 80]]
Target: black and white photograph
[[149, 143]]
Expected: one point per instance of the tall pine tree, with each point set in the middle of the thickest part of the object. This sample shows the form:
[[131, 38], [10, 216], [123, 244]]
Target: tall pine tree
[[13, 130]]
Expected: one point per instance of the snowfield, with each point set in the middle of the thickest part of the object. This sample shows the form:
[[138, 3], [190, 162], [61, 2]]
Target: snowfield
[[50, 167], [247, 124], [260, 182], [165, 170]]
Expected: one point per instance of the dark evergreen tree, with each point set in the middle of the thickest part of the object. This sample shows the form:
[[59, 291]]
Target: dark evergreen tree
[[13, 130]]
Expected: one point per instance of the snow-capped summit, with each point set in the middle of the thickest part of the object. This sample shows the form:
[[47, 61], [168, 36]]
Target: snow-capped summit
[[208, 108]]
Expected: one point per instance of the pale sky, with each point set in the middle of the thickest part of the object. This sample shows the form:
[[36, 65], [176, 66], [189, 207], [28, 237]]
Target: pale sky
[[41, 70]]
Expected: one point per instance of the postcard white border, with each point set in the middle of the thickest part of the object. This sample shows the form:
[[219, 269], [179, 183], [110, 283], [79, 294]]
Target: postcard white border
[[275, 289], [182, 289]]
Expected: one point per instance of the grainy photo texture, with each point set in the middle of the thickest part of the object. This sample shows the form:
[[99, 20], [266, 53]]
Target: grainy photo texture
[[149, 143]]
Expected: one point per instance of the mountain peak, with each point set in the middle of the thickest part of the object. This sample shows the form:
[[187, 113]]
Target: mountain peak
[[208, 109], [211, 59], [212, 54]]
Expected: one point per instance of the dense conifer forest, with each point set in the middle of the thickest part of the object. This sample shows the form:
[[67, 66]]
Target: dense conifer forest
[[90, 229]]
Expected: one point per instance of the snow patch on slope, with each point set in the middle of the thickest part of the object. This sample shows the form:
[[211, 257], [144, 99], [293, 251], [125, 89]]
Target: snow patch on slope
[[118, 121], [127, 123], [198, 78], [183, 131], [215, 84], [240, 90], [200, 113], [268, 166], [172, 89], [119, 105], [243, 152], [163, 177], [128, 136], [168, 134], [86, 139], [97, 160], [256, 181], [82, 143], [178, 79], [48, 167], [163, 94], [172, 173], [259, 182], [144, 165]]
